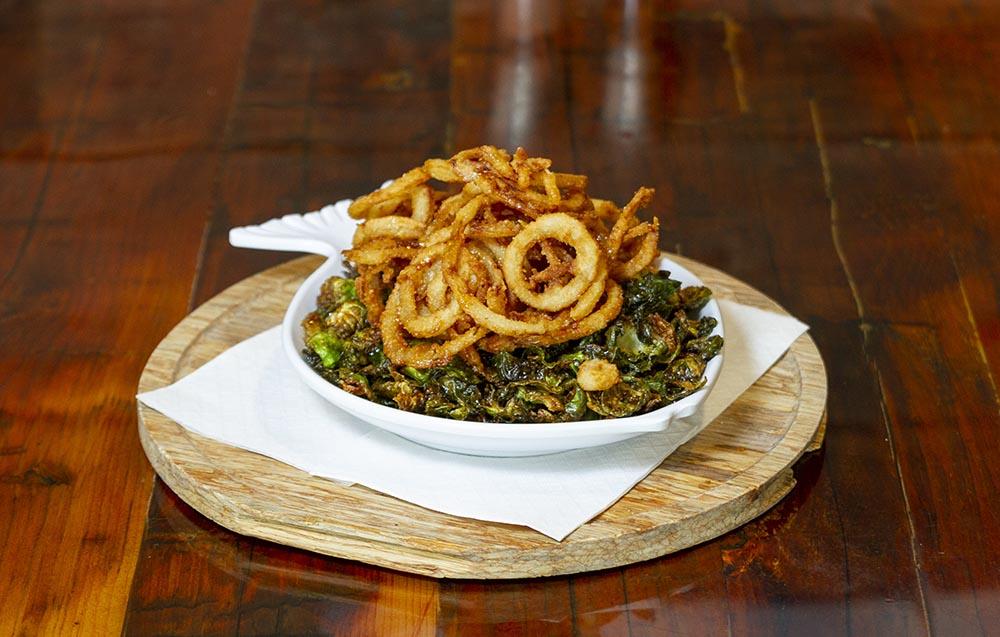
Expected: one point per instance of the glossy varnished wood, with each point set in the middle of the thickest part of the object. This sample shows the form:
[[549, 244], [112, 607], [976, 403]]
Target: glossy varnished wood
[[840, 157]]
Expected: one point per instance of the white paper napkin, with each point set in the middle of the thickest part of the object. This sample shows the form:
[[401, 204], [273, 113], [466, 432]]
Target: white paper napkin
[[250, 397]]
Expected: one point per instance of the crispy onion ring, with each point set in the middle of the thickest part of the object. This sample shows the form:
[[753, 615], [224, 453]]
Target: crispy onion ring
[[435, 286], [473, 271], [564, 228], [393, 226], [419, 355], [424, 325], [444, 313], [626, 220], [362, 207], [494, 230], [588, 300], [369, 287], [420, 205], [494, 247], [598, 320], [509, 254], [440, 169], [378, 252], [492, 174], [484, 254], [648, 251], [486, 317], [471, 356]]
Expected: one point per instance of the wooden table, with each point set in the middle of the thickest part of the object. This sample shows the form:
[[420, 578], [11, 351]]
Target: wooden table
[[841, 157]]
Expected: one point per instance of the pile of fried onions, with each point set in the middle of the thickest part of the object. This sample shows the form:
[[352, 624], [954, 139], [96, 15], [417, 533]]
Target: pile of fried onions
[[503, 254]]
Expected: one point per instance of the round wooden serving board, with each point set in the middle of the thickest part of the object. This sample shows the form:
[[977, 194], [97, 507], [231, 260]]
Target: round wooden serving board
[[734, 470]]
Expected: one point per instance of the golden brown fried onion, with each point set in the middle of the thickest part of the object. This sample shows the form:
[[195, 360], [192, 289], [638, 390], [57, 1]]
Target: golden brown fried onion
[[563, 228], [509, 254]]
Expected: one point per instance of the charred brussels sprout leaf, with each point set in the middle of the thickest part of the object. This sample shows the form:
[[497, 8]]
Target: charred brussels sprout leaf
[[706, 325], [347, 318], [623, 339], [639, 348], [418, 375], [576, 406], [707, 347], [649, 293], [694, 298], [500, 407], [624, 399], [353, 382], [403, 393], [334, 292], [687, 372], [658, 343], [328, 347], [510, 368]]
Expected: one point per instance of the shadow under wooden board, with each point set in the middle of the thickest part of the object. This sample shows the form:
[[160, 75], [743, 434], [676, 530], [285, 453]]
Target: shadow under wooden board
[[734, 470]]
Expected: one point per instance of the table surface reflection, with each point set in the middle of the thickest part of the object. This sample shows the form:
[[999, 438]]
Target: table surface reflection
[[840, 157]]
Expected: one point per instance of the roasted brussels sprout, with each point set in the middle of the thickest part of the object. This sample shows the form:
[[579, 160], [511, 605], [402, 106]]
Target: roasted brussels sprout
[[658, 344]]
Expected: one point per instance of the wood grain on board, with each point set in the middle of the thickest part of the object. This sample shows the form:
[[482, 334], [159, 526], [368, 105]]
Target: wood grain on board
[[734, 470]]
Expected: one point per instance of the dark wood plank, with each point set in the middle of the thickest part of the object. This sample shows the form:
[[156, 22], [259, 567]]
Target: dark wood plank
[[294, 143], [43, 91], [841, 157], [801, 215], [600, 603], [195, 577], [524, 607], [889, 195], [709, 199], [956, 520], [954, 117], [850, 555], [645, 124], [103, 272], [874, 544], [507, 87], [508, 80], [676, 594], [197, 588]]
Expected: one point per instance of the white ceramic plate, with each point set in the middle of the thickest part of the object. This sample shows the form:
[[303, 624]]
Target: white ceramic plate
[[328, 232]]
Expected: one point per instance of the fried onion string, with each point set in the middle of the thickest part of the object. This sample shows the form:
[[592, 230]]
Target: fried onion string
[[508, 254]]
